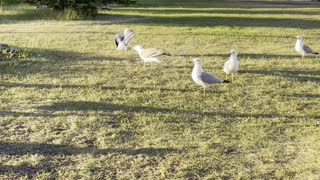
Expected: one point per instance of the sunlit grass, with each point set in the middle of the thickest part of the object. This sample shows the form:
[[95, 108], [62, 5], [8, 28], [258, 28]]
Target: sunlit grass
[[79, 109]]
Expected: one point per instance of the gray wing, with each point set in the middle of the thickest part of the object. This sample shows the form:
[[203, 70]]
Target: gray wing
[[119, 38], [4, 45], [128, 35], [149, 53], [7, 48], [209, 79], [307, 49]]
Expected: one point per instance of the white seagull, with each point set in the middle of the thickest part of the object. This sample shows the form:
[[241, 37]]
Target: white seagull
[[122, 40], [303, 49], [203, 78], [149, 55], [232, 65]]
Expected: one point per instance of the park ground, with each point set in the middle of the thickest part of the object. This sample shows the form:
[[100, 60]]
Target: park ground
[[77, 109]]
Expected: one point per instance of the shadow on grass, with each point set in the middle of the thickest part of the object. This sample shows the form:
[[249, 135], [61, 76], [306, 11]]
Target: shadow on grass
[[279, 4], [294, 75], [306, 95], [215, 17], [210, 21], [189, 17], [109, 107], [224, 4], [60, 32], [56, 62], [262, 56], [102, 87], [55, 149], [27, 13], [24, 114], [60, 55], [48, 150], [181, 11], [26, 169]]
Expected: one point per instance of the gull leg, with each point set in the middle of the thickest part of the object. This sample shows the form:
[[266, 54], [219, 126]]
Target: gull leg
[[226, 76], [204, 91], [213, 90], [232, 77]]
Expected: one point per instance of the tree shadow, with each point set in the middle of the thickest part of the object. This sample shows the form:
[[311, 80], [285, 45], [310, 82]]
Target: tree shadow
[[280, 4], [60, 55], [211, 21], [59, 32], [306, 95], [55, 62], [109, 107], [266, 56], [181, 11], [22, 149], [26, 169], [102, 87], [204, 17], [49, 150], [27, 13], [148, 16], [25, 114], [225, 3], [294, 75]]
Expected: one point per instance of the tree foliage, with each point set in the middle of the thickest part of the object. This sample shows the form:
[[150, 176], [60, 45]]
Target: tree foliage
[[81, 7]]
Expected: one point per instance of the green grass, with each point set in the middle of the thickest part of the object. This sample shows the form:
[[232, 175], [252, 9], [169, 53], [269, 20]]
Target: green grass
[[80, 110], [8, 2]]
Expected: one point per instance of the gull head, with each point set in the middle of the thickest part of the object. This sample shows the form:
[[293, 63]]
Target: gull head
[[299, 37], [233, 52], [198, 61], [126, 30], [138, 48]]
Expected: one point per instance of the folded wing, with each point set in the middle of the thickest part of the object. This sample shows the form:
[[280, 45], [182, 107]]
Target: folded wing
[[209, 79], [307, 49], [150, 53]]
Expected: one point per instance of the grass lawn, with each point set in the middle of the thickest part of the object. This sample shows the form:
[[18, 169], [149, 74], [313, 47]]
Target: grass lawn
[[77, 109]]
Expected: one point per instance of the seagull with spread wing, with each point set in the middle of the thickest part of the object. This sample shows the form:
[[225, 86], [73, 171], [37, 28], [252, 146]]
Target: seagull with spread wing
[[303, 49], [122, 40], [203, 78]]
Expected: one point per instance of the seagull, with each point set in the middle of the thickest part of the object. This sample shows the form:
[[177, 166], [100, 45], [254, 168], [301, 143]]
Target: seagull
[[303, 49], [203, 78], [149, 55], [231, 66], [122, 40]]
